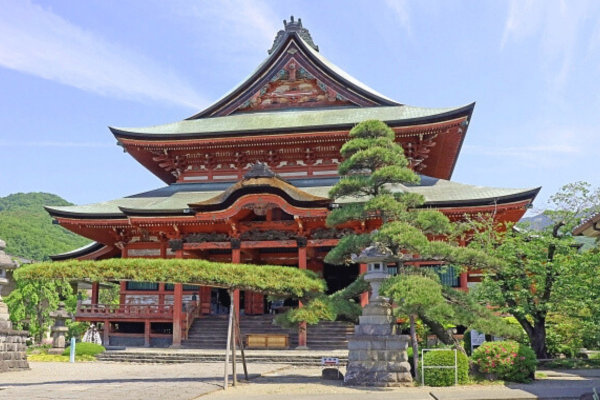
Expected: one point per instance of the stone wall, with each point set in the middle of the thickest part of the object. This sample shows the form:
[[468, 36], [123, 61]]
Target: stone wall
[[13, 356]]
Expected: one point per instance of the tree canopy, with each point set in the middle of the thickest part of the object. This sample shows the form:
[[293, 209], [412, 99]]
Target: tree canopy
[[272, 280], [538, 272]]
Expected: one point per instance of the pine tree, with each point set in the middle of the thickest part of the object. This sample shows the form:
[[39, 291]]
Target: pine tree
[[374, 174]]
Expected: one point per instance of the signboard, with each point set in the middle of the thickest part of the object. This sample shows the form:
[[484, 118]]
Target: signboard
[[330, 361], [477, 339]]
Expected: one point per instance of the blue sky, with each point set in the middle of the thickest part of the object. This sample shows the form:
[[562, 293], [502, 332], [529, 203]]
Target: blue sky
[[70, 68]]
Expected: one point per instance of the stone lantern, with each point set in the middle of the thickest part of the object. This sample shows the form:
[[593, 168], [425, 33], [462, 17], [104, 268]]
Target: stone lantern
[[6, 267], [377, 257], [59, 329], [376, 354], [13, 343]]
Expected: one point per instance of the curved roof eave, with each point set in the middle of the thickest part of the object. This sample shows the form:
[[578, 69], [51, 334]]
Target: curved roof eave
[[292, 121], [80, 252]]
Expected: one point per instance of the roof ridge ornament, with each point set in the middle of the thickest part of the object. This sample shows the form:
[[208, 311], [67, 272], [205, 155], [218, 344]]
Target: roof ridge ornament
[[260, 170], [293, 27]]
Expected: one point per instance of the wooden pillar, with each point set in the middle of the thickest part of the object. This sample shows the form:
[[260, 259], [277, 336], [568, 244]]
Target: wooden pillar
[[205, 292], [177, 314], [302, 339], [122, 295], [147, 333], [95, 292], [464, 277], [364, 297], [106, 338], [236, 257], [161, 294]]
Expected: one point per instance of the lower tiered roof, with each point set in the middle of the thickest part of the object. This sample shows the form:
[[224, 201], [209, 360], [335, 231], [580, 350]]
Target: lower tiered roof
[[176, 198]]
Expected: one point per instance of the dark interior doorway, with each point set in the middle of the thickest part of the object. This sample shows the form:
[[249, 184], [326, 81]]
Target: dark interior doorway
[[219, 301], [339, 276]]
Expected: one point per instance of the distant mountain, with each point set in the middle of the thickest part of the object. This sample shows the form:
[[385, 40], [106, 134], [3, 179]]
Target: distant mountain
[[27, 228], [537, 222], [540, 221]]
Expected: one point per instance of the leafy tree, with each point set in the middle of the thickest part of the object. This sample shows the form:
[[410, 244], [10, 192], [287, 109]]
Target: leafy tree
[[373, 173], [32, 301], [537, 272]]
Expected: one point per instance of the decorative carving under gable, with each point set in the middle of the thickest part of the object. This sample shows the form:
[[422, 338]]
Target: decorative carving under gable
[[325, 233], [122, 237], [236, 243], [294, 86], [260, 208], [259, 170], [206, 237], [257, 235], [418, 149], [175, 164], [176, 244]]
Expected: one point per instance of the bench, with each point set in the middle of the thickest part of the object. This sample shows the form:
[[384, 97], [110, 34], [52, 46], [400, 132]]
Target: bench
[[267, 341]]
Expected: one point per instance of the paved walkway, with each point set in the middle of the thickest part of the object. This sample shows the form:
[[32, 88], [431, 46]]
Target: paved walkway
[[81, 381], [50, 381], [305, 383]]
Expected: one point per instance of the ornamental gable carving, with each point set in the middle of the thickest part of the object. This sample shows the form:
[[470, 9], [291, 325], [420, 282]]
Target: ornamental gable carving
[[294, 86]]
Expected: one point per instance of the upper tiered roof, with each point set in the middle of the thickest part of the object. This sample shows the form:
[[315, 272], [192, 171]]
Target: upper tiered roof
[[294, 101]]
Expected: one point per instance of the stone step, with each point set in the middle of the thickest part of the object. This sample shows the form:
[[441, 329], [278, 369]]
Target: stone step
[[149, 357]]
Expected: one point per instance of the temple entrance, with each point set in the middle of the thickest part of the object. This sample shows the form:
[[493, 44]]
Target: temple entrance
[[219, 301], [339, 276]]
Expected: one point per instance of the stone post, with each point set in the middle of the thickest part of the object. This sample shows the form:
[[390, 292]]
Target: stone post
[[59, 329]]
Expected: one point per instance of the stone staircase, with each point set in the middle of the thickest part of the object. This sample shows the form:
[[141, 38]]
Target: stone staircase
[[171, 356], [210, 332], [208, 336]]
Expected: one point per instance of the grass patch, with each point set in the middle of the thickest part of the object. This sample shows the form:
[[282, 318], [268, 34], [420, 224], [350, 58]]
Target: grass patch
[[83, 348], [58, 358]]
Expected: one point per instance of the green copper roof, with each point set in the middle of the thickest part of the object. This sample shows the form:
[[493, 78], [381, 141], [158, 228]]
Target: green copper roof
[[287, 120], [177, 197], [343, 74]]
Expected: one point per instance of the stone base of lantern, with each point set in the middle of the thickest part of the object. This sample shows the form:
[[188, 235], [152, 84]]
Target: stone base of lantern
[[13, 344], [377, 356]]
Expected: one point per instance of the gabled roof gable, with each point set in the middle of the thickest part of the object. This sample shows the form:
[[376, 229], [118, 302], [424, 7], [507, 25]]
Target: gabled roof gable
[[295, 76]]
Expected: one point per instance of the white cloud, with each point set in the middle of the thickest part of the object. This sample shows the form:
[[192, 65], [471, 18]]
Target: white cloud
[[36, 41], [558, 26], [401, 9]]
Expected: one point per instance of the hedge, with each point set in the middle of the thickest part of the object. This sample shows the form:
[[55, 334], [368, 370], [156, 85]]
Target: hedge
[[445, 376]]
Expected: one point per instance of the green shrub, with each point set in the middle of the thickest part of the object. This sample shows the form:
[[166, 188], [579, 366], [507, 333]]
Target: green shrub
[[444, 376], [508, 360], [83, 348]]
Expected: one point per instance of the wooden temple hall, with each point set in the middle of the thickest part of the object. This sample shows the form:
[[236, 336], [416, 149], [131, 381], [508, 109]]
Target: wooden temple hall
[[247, 181]]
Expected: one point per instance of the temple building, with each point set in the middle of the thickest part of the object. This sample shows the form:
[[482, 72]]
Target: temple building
[[247, 181]]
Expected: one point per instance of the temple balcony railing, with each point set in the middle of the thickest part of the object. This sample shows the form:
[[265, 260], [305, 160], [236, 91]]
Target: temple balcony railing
[[125, 311]]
